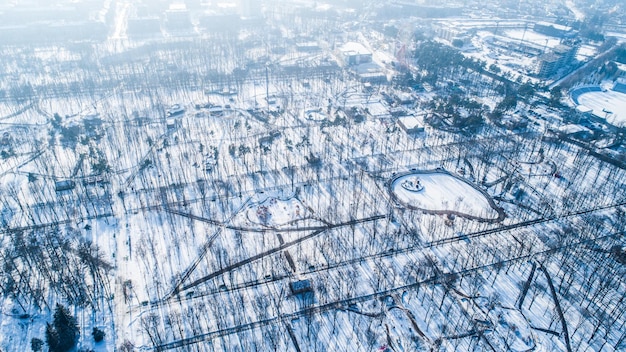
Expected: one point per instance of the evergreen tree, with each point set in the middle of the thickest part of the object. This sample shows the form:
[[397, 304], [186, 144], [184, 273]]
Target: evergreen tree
[[63, 334], [36, 344], [52, 338], [98, 335]]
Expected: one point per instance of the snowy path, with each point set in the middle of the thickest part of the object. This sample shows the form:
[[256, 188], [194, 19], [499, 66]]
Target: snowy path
[[341, 304], [557, 304], [277, 249]]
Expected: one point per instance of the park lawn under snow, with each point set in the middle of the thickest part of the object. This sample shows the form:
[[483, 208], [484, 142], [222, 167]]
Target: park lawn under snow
[[442, 192]]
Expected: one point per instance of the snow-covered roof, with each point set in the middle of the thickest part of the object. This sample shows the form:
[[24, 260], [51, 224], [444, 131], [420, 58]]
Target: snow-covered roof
[[572, 128], [355, 49], [178, 7], [411, 122], [368, 68], [559, 27]]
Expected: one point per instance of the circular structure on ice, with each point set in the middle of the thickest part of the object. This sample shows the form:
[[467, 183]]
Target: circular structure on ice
[[412, 184], [439, 192], [314, 115]]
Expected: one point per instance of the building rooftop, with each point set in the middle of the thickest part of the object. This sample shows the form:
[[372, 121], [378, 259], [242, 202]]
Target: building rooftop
[[177, 7], [562, 49], [301, 286], [549, 57], [559, 27], [411, 123], [355, 48]]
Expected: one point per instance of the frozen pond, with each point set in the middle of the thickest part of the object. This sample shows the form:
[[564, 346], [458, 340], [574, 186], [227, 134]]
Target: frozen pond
[[442, 193]]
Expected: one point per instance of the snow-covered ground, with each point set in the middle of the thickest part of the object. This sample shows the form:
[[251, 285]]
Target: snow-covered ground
[[608, 104], [441, 192], [209, 218]]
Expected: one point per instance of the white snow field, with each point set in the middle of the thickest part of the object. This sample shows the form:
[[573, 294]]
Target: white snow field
[[441, 192]]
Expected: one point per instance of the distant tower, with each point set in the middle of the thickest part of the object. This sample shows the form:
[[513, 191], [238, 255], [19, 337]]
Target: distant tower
[[250, 8]]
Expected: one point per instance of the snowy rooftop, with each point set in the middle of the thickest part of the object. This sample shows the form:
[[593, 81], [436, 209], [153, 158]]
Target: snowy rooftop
[[355, 48], [178, 7], [572, 128], [411, 122], [555, 26]]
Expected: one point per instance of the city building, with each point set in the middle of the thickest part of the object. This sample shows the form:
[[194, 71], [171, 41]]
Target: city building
[[553, 29], [452, 31], [355, 54], [65, 185], [551, 62], [411, 124], [311, 46], [302, 286], [178, 19]]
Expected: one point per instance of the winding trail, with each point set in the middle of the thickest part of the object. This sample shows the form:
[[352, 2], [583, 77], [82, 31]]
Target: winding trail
[[18, 112], [558, 309], [267, 253], [520, 301], [354, 300]]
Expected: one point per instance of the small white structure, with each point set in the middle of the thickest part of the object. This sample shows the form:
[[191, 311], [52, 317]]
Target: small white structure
[[411, 124], [412, 184], [175, 110]]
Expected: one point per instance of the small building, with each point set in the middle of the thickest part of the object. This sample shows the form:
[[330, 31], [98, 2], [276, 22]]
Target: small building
[[216, 110], [452, 31], [175, 110], [355, 54], [299, 287], [553, 29], [65, 185], [6, 139], [178, 18], [398, 111], [404, 98], [370, 72], [94, 180], [308, 47], [620, 85], [373, 77], [411, 124]]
